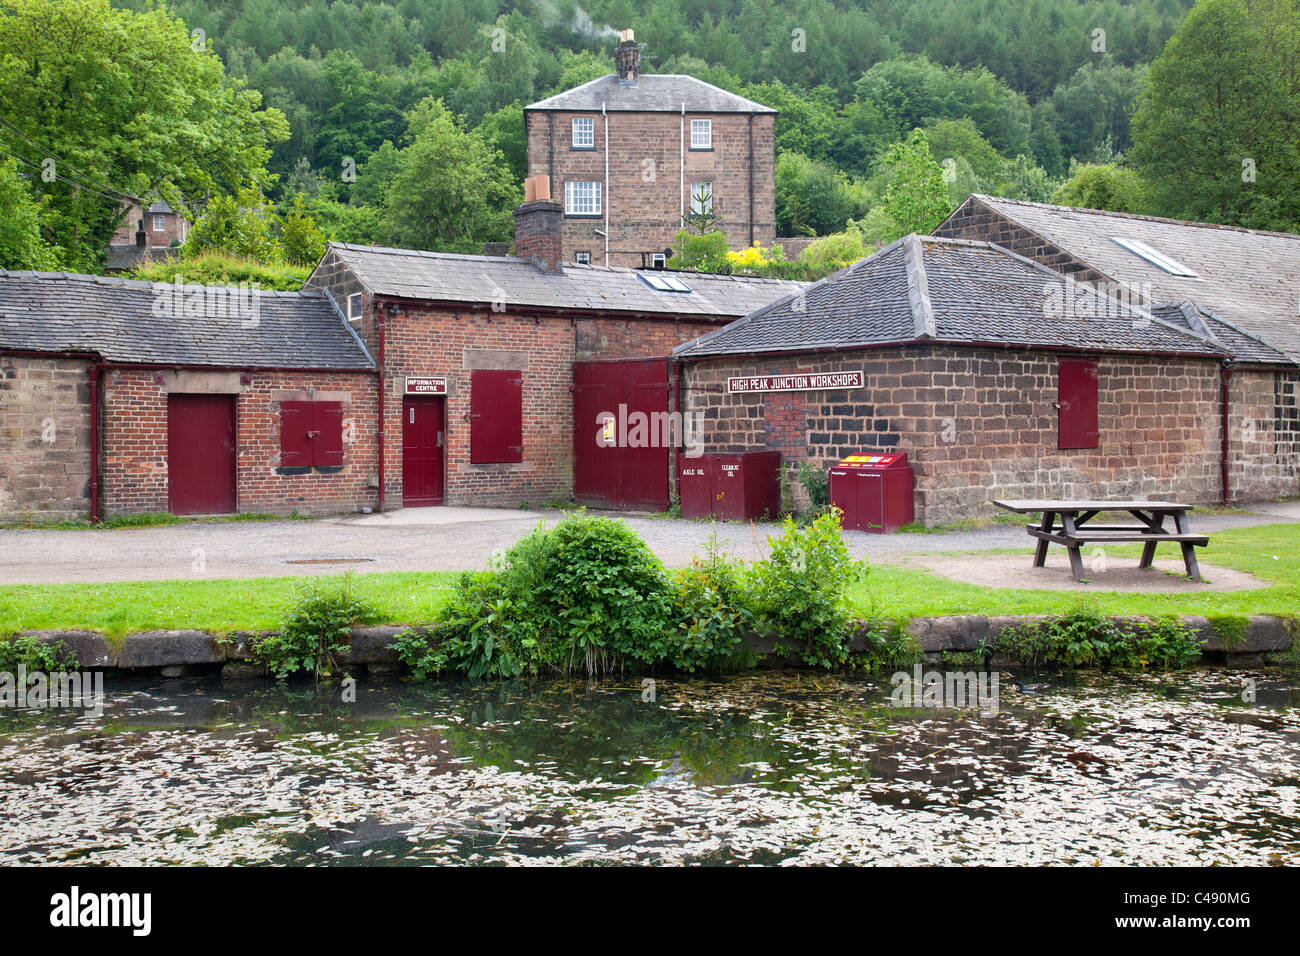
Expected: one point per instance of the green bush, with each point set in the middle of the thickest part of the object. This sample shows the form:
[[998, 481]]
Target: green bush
[[816, 482], [799, 593], [1085, 638], [317, 628], [586, 594], [30, 652], [712, 614], [484, 631], [597, 591]]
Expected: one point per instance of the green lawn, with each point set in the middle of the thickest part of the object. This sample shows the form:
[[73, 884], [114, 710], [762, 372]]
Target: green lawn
[[1270, 552], [234, 604]]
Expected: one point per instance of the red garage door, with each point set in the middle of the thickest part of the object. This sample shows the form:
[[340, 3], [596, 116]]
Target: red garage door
[[621, 476], [200, 454]]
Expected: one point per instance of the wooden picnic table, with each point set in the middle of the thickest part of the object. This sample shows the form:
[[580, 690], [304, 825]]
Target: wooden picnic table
[[1074, 529]]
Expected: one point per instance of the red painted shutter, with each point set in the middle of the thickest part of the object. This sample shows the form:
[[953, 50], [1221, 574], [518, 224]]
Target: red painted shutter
[[295, 423], [328, 444], [1077, 404], [496, 416]]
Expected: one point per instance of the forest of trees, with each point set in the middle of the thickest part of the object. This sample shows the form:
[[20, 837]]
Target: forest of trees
[[338, 114]]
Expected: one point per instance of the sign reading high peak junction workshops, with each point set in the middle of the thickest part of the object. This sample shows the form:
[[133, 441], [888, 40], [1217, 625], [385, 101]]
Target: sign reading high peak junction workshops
[[800, 382]]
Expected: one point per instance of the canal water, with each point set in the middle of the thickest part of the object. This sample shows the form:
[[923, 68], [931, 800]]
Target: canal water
[[770, 767]]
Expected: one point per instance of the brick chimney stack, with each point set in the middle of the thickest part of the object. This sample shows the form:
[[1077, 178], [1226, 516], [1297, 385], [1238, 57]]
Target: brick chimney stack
[[537, 226], [629, 58]]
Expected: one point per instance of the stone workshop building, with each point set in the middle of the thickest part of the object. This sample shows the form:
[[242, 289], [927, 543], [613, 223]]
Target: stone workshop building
[[998, 378]]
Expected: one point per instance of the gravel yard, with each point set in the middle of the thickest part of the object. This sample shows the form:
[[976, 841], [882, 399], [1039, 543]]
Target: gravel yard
[[426, 539]]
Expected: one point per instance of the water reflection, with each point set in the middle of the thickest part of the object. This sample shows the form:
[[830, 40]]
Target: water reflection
[[768, 767]]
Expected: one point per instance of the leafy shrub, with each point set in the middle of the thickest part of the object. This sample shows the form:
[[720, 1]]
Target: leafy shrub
[[712, 614], [30, 652], [586, 592], [800, 592], [484, 631], [886, 646], [816, 482], [596, 590], [1085, 638], [317, 628]]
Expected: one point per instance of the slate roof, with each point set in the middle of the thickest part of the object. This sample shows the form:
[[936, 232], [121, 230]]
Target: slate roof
[[115, 318], [924, 289], [447, 277], [1248, 277], [653, 93]]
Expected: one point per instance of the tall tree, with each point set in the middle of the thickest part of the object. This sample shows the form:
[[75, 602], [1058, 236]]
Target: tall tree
[[1218, 130], [452, 191], [916, 197], [99, 102]]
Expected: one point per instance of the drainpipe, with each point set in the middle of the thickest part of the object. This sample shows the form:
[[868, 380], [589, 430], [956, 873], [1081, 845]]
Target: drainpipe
[[379, 325], [674, 474], [604, 121], [94, 444], [1225, 379], [681, 165], [751, 179]]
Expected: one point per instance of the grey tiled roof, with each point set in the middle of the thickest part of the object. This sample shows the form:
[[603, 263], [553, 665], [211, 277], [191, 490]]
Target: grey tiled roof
[[446, 277], [115, 318], [126, 255], [1248, 277], [653, 93], [927, 289], [1240, 345]]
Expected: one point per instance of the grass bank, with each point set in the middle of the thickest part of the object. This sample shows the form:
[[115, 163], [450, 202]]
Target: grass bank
[[1270, 552]]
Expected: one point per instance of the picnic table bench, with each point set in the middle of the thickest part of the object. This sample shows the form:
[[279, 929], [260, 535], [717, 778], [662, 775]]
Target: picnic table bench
[[1074, 529]]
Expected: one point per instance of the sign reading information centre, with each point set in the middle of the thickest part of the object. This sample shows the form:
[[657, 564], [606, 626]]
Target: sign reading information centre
[[426, 385], [802, 382]]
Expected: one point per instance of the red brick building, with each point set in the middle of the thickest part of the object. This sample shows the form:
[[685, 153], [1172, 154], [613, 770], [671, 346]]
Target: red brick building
[[120, 397], [477, 355], [630, 153], [146, 235]]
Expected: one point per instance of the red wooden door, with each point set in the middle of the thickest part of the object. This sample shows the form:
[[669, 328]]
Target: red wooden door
[[633, 474], [422, 443], [200, 454]]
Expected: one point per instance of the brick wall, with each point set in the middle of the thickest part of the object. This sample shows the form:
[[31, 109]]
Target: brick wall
[[428, 341], [614, 338], [979, 424], [134, 440], [173, 228], [44, 438], [645, 193]]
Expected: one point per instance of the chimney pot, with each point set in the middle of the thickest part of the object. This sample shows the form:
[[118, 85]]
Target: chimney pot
[[628, 58]]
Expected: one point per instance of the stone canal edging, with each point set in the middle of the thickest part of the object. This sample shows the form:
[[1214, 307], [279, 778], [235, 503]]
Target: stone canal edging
[[176, 652]]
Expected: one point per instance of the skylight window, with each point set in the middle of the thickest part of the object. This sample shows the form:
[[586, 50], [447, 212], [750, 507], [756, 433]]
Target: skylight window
[[663, 283], [1155, 257]]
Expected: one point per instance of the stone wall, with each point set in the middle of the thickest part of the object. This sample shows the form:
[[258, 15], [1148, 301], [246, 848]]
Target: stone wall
[[44, 438], [1264, 435], [979, 424], [645, 192]]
